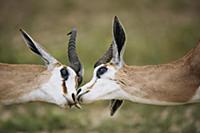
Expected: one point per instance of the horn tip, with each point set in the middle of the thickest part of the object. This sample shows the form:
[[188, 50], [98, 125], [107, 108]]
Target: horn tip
[[73, 30]]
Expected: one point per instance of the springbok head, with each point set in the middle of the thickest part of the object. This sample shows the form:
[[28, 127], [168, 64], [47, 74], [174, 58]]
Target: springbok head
[[63, 80], [172, 83], [104, 84]]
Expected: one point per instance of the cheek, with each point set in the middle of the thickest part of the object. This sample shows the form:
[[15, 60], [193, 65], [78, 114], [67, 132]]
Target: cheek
[[100, 85], [102, 90], [110, 74], [71, 84], [106, 85]]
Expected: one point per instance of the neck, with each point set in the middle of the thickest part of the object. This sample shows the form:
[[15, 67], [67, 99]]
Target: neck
[[167, 84], [23, 83]]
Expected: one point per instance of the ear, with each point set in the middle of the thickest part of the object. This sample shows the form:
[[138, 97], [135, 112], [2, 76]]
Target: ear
[[37, 49], [118, 42], [115, 105]]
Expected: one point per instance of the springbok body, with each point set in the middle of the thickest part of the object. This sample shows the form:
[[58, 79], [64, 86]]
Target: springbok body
[[55, 83], [166, 84]]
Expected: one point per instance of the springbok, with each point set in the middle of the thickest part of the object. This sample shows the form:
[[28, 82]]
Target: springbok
[[55, 83], [174, 83]]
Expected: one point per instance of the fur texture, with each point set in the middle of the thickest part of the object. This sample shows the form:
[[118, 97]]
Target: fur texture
[[173, 82], [17, 80]]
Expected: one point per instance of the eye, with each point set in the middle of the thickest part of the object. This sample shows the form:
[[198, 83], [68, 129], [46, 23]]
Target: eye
[[101, 71], [64, 73]]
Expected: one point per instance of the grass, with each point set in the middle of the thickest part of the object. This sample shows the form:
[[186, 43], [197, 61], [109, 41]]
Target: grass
[[95, 118], [157, 32]]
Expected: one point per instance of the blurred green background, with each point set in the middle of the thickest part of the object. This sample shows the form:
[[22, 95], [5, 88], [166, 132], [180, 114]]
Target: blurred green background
[[157, 32]]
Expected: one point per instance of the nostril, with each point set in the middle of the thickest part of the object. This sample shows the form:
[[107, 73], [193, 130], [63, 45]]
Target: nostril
[[73, 97], [78, 91]]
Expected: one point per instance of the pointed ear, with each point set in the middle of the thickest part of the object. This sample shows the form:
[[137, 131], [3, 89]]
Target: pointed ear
[[118, 42], [37, 49], [115, 105]]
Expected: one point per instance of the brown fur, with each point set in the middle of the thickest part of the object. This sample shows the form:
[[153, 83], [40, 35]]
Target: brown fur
[[174, 82], [17, 80]]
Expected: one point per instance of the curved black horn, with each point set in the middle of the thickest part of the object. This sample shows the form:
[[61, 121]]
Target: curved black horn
[[106, 57], [74, 61]]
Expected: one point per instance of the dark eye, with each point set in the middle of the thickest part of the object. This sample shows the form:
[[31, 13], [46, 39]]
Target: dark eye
[[101, 71], [64, 73]]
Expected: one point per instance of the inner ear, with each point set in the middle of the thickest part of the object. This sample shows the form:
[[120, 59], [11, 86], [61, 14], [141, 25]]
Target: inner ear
[[36, 48], [115, 105], [119, 35]]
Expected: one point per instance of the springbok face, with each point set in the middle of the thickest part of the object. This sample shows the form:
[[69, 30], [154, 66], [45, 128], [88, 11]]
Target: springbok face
[[64, 80], [104, 84]]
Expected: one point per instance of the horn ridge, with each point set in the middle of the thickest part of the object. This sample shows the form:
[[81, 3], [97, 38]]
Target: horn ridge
[[106, 57], [74, 61]]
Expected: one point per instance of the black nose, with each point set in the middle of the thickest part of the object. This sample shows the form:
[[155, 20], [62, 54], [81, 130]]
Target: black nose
[[73, 97], [78, 91]]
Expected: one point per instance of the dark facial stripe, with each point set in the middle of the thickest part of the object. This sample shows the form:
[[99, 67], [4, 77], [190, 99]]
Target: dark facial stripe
[[64, 74], [64, 87]]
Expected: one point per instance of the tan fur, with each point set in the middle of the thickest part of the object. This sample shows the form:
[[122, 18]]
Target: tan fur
[[174, 82], [17, 80]]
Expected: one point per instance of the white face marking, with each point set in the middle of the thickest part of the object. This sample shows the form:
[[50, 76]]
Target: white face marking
[[52, 91], [101, 88], [71, 84], [106, 88]]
